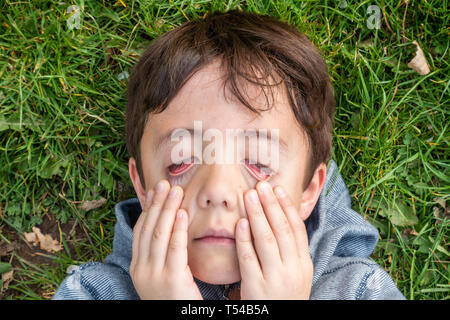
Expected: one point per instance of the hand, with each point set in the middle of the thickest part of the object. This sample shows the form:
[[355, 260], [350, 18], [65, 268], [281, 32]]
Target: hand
[[281, 266], [159, 268]]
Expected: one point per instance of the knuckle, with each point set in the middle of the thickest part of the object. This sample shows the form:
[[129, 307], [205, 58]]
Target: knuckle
[[246, 256], [268, 237], [157, 233], [157, 204], [244, 241], [145, 228], [285, 229], [175, 244]]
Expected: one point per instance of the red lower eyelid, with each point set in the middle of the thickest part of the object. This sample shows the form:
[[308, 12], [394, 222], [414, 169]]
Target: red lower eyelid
[[180, 169], [252, 167], [261, 175], [258, 173]]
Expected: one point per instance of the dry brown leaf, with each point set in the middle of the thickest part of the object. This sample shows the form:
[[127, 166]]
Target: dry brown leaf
[[6, 279], [440, 201], [31, 237], [365, 44], [92, 204], [46, 242], [419, 63], [48, 295], [409, 231]]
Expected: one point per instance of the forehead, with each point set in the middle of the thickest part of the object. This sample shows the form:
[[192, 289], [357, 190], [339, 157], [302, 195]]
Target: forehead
[[204, 98]]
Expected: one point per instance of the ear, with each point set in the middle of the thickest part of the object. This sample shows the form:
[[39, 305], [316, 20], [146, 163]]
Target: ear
[[312, 192], [138, 188]]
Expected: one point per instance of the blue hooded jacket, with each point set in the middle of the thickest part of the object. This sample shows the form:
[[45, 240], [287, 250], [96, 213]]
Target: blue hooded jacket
[[340, 243]]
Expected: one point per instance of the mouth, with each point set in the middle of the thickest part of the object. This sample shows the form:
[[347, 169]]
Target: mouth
[[219, 237]]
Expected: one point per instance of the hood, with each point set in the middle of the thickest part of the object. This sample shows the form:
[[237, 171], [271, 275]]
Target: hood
[[334, 229]]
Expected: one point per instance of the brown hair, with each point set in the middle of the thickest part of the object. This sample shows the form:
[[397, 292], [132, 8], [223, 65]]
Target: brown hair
[[248, 45]]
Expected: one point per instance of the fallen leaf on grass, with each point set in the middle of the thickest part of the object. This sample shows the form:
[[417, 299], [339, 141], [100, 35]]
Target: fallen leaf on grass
[[92, 204], [365, 44], [397, 212], [409, 231], [6, 279], [441, 202], [31, 237], [419, 63], [46, 241]]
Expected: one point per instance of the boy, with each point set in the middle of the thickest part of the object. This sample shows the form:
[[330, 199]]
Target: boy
[[248, 229]]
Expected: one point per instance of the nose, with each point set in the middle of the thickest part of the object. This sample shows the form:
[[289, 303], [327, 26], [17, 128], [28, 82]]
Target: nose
[[219, 188]]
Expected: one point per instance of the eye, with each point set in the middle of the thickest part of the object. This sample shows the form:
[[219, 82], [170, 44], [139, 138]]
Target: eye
[[176, 169], [177, 172], [257, 170]]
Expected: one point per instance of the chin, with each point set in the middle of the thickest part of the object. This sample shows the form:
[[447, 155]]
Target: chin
[[219, 269], [217, 277]]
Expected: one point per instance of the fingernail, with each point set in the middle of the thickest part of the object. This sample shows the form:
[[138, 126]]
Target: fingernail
[[264, 186], [160, 186], [252, 196], [243, 224], [173, 192], [179, 214], [280, 192]]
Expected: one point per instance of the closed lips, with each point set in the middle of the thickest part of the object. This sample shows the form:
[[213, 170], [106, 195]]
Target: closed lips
[[212, 233]]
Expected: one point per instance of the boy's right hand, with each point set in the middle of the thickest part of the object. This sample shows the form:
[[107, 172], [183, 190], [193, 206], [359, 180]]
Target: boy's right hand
[[159, 268]]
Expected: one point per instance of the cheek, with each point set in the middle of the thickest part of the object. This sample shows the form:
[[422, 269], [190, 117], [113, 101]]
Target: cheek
[[191, 231], [195, 224]]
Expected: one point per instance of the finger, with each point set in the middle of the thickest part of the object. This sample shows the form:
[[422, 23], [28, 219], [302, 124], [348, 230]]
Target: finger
[[177, 257], [265, 242], [295, 220], [249, 266], [278, 221], [145, 235], [138, 226], [163, 228]]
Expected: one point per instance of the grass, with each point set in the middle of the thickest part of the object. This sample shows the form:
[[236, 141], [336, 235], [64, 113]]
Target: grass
[[62, 109]]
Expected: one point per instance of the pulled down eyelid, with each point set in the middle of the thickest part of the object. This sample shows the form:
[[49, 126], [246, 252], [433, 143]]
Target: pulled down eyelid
[[261, 172]]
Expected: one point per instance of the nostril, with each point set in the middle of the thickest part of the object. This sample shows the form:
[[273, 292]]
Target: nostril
[[224, 202]]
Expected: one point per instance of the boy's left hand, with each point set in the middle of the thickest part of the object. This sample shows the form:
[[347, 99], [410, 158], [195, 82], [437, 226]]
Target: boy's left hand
[[278, 265]]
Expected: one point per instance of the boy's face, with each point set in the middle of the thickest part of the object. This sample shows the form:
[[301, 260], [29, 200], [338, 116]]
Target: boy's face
[[213, 193]]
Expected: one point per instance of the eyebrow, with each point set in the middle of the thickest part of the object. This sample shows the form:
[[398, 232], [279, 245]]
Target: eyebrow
[[165, 139]]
